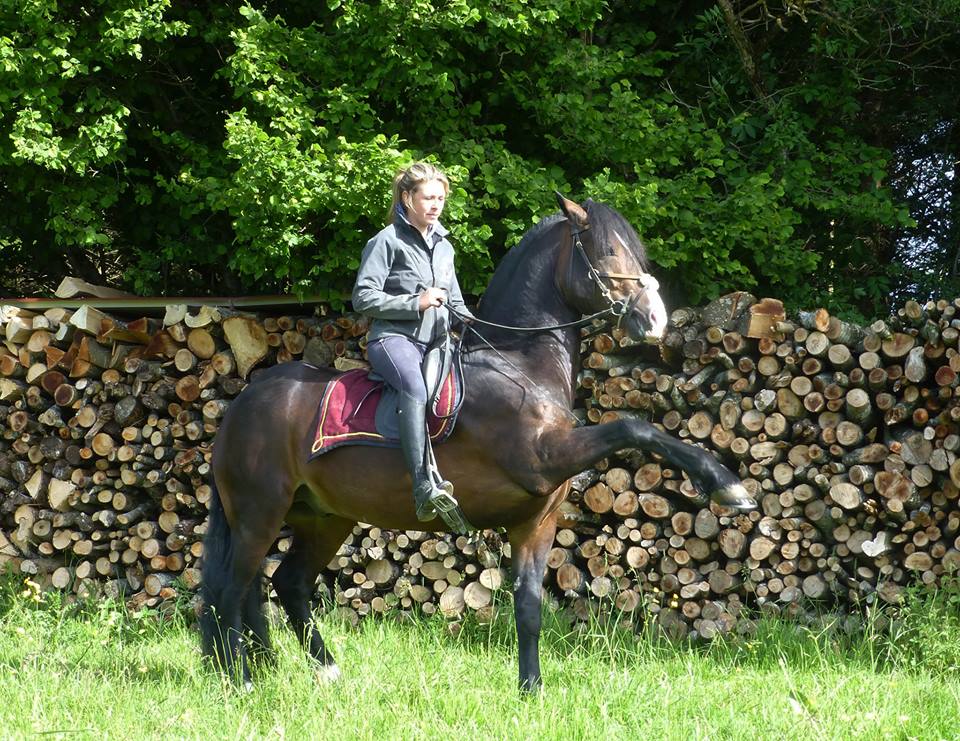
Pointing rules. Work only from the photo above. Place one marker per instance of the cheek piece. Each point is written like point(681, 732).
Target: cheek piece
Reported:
point(618, 307)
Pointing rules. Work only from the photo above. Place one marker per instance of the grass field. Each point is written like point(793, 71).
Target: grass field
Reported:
point(101, 673)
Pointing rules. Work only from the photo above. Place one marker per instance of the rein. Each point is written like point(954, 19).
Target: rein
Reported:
point(579, 323)
point(617, 308)
point(458, 365)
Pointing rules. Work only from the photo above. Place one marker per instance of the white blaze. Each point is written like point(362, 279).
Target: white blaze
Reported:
point(658, 314)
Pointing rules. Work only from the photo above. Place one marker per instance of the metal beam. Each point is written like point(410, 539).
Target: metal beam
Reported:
point(159, 303)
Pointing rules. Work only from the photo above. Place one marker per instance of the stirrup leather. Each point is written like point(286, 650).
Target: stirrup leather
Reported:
point(442, 499)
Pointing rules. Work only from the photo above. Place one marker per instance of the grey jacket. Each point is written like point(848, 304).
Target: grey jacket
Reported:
point(395, 267)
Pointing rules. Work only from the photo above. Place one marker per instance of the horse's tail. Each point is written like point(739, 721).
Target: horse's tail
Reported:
point(217, 553)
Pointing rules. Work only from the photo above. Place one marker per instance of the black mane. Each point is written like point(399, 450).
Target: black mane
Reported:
point(603, 222)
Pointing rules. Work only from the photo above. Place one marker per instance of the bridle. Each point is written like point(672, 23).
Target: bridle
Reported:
point(618, 308)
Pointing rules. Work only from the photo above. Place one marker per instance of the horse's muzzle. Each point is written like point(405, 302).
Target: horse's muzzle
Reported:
point(645, 323)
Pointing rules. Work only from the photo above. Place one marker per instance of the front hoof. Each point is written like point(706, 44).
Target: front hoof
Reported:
point(327, 674)
point(734, 496)
point(531, 688)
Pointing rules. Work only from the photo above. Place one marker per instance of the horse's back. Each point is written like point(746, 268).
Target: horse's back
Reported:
point(293, 386)
point(270, 420)
point(295, 371)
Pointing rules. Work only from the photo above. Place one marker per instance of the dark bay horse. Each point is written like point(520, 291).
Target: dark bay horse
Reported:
point(515, 445)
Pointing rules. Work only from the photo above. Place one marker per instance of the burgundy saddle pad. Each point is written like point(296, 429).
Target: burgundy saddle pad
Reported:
point(348, 413)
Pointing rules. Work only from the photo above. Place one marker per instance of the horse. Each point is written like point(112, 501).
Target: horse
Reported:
point(515, 446)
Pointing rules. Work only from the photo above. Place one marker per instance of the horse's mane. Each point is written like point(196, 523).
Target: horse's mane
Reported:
point(603, 222)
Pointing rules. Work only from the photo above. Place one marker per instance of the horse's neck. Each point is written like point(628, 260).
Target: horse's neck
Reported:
point(523, 293)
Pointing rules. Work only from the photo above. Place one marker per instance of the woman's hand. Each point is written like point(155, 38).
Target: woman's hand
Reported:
point(432, 297)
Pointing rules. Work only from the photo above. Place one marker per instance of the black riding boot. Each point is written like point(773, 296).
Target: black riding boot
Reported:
point(413, 440)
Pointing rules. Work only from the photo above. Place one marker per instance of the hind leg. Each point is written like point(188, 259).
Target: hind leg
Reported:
point(315, 542)
point(242, 590)
point(231, 583)
point(255, 628)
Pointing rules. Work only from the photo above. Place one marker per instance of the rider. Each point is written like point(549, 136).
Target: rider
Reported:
point(405, 281)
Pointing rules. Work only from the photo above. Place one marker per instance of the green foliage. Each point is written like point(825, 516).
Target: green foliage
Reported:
point(177, 148)
point(922, 632)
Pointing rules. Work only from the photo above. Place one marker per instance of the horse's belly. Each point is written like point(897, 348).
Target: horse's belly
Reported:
point(372, 485)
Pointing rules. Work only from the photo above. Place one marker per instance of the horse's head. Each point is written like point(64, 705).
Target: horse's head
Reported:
point(606, 268)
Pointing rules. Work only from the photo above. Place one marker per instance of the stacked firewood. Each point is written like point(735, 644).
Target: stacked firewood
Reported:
point(846, 435)
point(384, 571)
point(106, 429)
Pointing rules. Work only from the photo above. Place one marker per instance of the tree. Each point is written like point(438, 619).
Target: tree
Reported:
point(178, 148)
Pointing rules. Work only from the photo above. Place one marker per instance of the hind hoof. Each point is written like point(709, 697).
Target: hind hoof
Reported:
point(328, 674)
point(734, 496)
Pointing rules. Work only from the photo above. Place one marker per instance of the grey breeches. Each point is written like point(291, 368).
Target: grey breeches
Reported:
point(398, 360)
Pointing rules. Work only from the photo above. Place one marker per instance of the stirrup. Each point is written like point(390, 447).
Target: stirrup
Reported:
point(449, 509)
point(440, 500)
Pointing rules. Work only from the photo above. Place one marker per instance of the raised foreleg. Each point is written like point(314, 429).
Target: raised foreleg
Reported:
point(567, 452)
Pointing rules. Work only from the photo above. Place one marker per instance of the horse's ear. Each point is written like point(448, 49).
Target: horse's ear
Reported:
point(571, 210)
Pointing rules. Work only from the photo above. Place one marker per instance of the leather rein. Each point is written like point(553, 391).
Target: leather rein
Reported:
point(617, 308)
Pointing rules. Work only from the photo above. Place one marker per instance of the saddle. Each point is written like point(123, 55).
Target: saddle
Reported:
point(358, 408)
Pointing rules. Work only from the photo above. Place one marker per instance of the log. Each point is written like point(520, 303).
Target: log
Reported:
point(726, 311)
point(599, 498)
point(87, 319)
point(247, 340)
point(201, 343)
point(203, 317)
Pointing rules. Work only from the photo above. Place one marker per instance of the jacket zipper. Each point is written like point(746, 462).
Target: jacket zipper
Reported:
point(423, 241)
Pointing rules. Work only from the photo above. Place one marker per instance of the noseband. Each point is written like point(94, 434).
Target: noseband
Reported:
point(617, 307)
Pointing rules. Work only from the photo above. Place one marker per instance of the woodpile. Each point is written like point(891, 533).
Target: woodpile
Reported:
point(106, 429)
point(848, 437)
point(382, 571)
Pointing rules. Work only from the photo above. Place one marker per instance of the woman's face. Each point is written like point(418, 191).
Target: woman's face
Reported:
point(425, 204)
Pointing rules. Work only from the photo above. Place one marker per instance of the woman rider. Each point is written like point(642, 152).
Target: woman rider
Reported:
point(405, 282)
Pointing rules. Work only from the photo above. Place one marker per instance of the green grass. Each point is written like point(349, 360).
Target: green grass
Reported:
point(101, 673)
